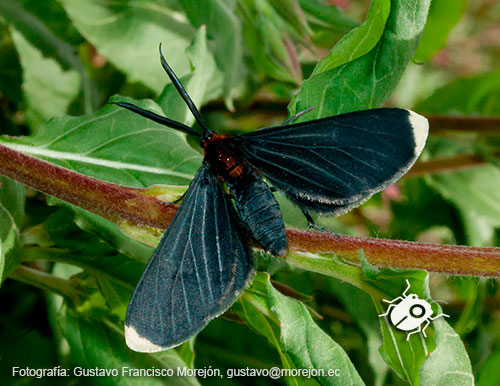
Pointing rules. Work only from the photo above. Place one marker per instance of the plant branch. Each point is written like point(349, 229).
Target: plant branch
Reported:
point(449, 259)
point(114, 202)
point(463, 161)
point(118, 203)
point(441, 124)
point(46, 281)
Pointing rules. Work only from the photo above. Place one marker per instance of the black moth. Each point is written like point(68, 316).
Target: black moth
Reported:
point(202, 263)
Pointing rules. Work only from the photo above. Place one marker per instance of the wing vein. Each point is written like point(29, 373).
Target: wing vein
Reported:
point(203, 243)
point(295, 173)
point(337, 148)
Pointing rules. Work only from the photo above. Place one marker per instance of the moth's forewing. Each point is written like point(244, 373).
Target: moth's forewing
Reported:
point(197, 271)
point(333, 164)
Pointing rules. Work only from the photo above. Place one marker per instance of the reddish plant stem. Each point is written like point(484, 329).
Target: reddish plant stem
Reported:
point(118, 203)
point(480, 125)
point(450, 259)
point(114, 202)
point(463, 161)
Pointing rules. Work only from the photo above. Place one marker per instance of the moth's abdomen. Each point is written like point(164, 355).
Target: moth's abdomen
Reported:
point(261, 213)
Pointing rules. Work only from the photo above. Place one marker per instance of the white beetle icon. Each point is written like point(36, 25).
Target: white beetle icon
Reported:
point(410, 313)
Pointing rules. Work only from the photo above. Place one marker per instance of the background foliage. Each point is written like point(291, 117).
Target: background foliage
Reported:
point(242, 62)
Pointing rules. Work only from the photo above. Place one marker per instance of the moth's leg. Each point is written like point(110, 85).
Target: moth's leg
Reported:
point(297, 115)
point(179, 199)
point(312, 224)
point(176, 201)
point(310, 220)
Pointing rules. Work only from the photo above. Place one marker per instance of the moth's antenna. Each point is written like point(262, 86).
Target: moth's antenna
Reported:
point(157, 118)
point(180, 88)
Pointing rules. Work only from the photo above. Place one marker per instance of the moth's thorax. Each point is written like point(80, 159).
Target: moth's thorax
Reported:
point(221, 154)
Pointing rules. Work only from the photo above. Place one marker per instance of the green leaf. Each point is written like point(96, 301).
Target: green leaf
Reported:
point(112, 275)
point(204, 84)
point(360, 306)
point(360, 40)
point(308, 345)
point(266, 35)
point(115, 274)
point(328, 13)
point(114, 235)
point(475, 192)
point(128, 34)
point(225, 29)
point(52, 14)
point(449, 363)
point(272, 34)
point(480, 232)
point(12, 197)
point(473, 291)
point(288, 326)
point(252, 307)
point(10, 69)
point(87, 249)
point(40, 36)
point(294, 17)
point(370, 270)
point(488, 372)
point(475, 95)
point(330, 265)
point(99, 343)
point(186, 352)
point(327, 21)
point(83, 249)
point(408, 224)
point(405, 357)
point(443, 16)
point(116, 295)
point(48, 89)
point(34, 349)
point(114, 145)
point(37, 33)
point(366, 82)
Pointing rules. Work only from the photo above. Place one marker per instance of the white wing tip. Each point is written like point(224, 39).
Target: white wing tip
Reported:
point(140, 343)
point(420, 126)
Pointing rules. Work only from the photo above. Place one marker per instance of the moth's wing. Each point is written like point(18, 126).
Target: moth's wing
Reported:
point(332, 164)
point(197, 271)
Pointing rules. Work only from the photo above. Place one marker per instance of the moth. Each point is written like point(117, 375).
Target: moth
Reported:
point(202, 262)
